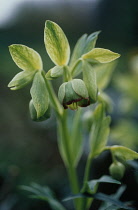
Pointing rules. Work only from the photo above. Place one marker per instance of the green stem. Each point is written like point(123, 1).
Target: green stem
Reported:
point(65, 139)
point(87, 169)
point(86, 202)
point(53, 98)
point(67, 74)
point(71, 170)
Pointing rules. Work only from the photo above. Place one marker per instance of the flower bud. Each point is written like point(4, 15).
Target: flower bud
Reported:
point(33, 113)
point(117, 170)
point(73, 94)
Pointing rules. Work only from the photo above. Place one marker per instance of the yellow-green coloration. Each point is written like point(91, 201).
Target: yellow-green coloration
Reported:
point(54, 73)
point(117, 170)
point(124, 152)
point(21, 80)
point(56, 44)
point(25, 58)
point(101, 55)
point(39, 94)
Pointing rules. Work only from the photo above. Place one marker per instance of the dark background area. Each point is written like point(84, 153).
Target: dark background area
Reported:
point(28, 150)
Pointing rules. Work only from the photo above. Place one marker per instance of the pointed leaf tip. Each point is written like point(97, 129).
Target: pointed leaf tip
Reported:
point(101, 55)
point(25, 58)
point(56, 43)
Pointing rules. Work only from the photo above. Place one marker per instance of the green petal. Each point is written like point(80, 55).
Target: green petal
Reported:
point(80, 88)
point(61, 92)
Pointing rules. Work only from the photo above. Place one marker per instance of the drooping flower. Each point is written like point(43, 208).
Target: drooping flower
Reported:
point(73, 94)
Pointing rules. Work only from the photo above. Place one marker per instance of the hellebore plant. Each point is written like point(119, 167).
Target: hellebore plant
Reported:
point(94, 67)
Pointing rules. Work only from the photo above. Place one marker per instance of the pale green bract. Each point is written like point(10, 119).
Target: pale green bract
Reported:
point(21, 80)
point(101, 55)
point(54, 73)
point(25, 58)
point(124, 152)
point(56, 44)
point(39, 94)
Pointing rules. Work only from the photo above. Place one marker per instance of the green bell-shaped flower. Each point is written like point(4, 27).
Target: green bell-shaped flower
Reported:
point(73, 94)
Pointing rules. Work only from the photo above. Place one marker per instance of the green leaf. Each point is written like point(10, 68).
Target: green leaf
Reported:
point(89, 77)
point(43, 193)
point(102, 197)
point(107, 198)
point(78, 49)
point(91, 41)
point(99, 131)
point(80, 88)
point(39, 94)
point(84, 45)
point(56, 44)
point(124, 152)
point(117, 195)
point(54, 73)
point(25, 58)
point(21, 79)
point(101, 55)
point(104, 179)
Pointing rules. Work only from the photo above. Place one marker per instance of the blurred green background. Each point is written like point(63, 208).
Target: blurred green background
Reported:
point(28, 150)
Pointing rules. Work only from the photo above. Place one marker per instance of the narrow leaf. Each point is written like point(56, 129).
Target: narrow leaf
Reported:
point(103, 179)
point(39, 95)
point(124, 152)
point(107, 198)
point(56, 44)
point(25, 58)
point(100, 196)
point(91, 41)
point(101, 55)
point(21, 79)
point(78, 49)
point(84, 45)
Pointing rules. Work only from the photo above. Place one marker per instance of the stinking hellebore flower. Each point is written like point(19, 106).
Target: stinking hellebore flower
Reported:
point(73, 94)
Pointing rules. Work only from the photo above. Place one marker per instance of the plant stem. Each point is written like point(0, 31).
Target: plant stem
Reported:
point(71, 170)
point(53, 98)
point(85, 202)
point(67, 74)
